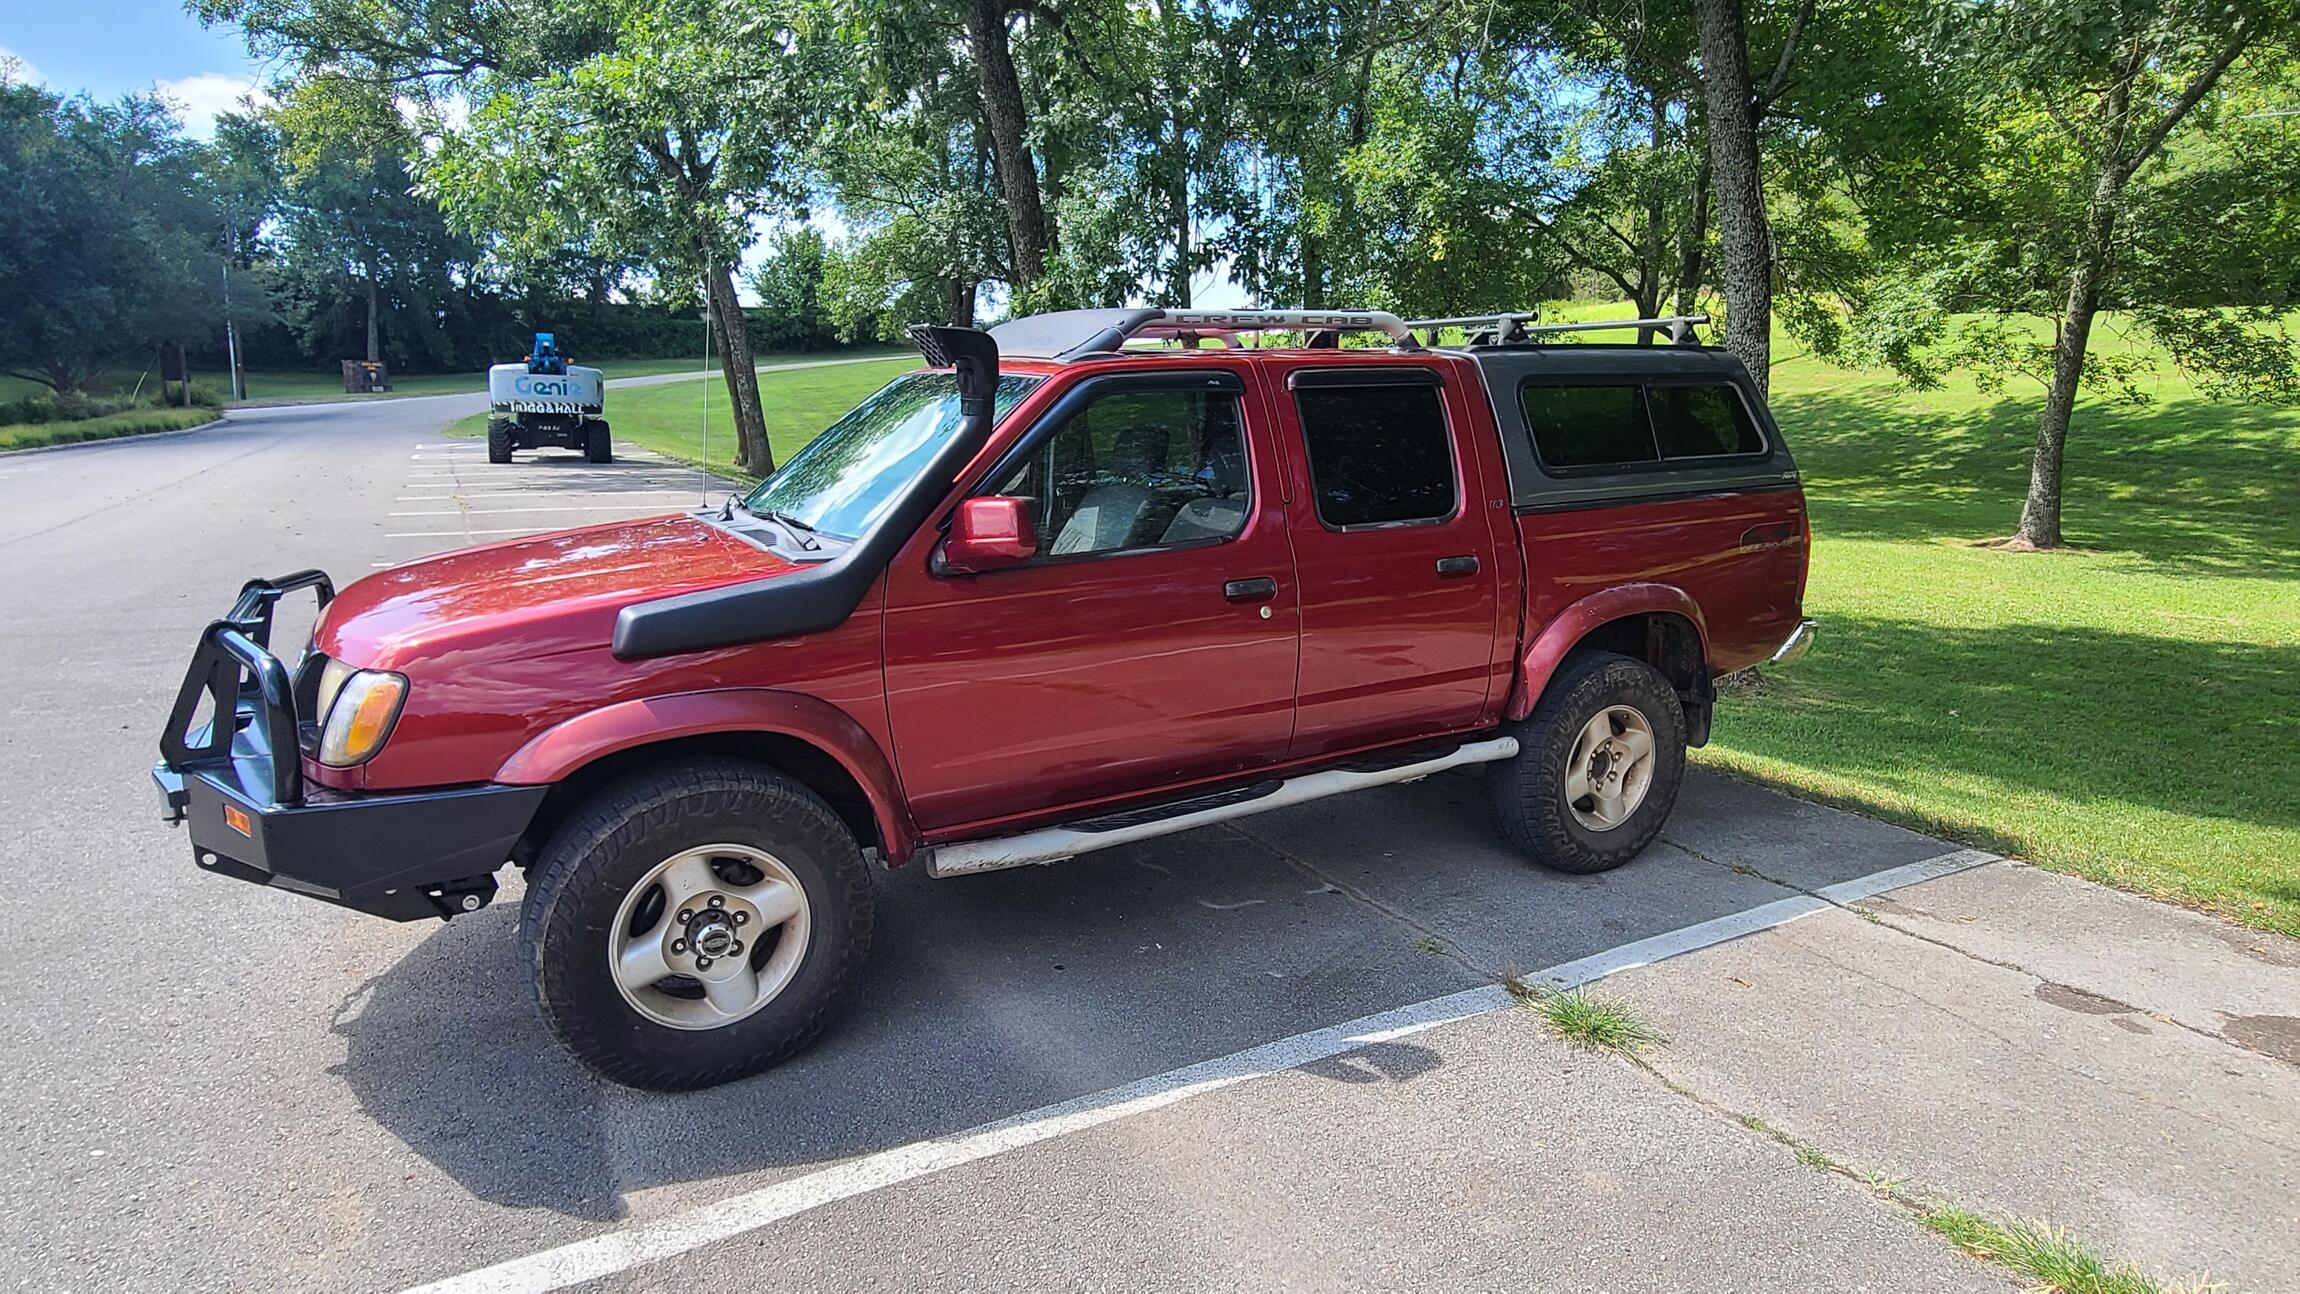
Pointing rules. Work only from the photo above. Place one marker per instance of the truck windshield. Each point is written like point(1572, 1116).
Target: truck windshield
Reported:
point(844, 478)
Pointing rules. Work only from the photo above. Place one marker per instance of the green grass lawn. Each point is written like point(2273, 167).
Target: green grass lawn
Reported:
point(2128, 711)
point(798, 402)
point(267, 386)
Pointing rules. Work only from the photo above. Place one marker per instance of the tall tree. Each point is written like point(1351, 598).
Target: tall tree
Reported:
point(108, 244)
point(655, 131)
point(2062, 176)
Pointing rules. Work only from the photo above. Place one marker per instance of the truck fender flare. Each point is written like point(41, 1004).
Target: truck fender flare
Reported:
point(1568, 627)
point(558, 752)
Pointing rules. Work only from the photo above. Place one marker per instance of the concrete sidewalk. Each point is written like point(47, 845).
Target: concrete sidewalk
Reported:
point(2028, 1046)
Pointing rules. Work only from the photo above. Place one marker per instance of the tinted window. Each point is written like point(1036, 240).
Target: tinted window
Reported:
point(1589, 426)
point(1703, 422)
point(1378, 454)
point(1136, 470)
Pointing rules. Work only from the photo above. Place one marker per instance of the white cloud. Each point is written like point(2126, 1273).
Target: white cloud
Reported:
point(203, 96)
point(23, 73)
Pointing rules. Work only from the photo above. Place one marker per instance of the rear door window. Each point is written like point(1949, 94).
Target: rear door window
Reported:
point(1706, 421)
point(1379, 455)
point(1590, 426)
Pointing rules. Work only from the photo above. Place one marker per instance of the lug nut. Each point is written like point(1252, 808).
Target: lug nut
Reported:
point(741, 916)
point(702, 963)
point(678, 945)
point(737, 950)
point(686, 915)
point(718, 900)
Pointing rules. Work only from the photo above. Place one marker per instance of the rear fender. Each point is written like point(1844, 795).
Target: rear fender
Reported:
point(1574, 623)
point(561, 751)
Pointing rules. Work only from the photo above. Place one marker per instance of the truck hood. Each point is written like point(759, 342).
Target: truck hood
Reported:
point(540, 595)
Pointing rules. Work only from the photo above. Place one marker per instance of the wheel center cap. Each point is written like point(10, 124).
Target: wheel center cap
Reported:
point(712, 935)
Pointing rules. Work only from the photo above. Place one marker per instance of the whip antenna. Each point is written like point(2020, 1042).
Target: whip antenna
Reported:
point(703, 459)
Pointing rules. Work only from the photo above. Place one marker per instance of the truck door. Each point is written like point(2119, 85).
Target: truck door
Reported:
point(1151, 641)
point(1394, 551)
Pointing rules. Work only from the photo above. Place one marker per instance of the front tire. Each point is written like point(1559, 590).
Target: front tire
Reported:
point(498, 440)
point(598, 446)
point(1598, 766)
point(695, 924)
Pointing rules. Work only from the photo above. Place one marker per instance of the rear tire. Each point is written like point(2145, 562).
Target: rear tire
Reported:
point(1598, 766)
point(498, 440)
point(598, 446)
point(610, 958)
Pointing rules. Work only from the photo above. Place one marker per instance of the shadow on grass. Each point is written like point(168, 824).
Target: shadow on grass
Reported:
point(2183, 485)
point(2085, 717)
point(2190, 727)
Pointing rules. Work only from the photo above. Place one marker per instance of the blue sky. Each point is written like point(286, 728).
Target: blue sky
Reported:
point(112, 47)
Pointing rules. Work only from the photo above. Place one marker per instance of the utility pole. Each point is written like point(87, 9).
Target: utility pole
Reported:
point(239, 378)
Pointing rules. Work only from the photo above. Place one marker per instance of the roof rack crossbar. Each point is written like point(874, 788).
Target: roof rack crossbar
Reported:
point(1516, 327)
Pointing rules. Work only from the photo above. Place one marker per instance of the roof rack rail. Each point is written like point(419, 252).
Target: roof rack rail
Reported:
point(1074, 334)
point(1309, 321)
point(1503, 329)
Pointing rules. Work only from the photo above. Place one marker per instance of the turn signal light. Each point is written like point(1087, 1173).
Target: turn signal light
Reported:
point(365, 708)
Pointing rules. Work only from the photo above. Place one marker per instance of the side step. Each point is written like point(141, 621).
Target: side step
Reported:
point(1054, 844)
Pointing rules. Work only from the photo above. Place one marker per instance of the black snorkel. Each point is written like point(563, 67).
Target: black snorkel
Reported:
point(822, 597)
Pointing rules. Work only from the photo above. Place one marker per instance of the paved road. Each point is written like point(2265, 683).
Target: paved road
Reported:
point(209, 1085)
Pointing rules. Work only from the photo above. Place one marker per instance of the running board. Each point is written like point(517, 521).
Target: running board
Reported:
point(1054, 844)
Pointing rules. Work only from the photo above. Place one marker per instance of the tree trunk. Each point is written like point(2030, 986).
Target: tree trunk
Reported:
point(1745, 237)
point(1003, 111)
point(1693, 243)
point(1178, 283)
point(2040, 514)
point(1651, 246)
point(752, 452)
point(374, 335)
point(961, 308)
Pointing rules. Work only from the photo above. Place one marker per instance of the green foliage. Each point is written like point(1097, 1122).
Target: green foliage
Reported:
point(128, 422)
point(109, 240)
point(1594, 1023)
point(791, 315)
point(1974, 195)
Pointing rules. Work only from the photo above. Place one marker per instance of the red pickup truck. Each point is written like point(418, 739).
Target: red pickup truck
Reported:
point(1090, 577)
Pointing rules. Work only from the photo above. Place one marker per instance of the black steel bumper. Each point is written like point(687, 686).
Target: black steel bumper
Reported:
point(237, 782)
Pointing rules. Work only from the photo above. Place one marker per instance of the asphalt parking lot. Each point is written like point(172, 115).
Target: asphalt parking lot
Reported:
point(1270, 1053)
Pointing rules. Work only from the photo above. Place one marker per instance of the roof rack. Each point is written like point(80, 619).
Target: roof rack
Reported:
point(1505, 329)
point(1071, 334)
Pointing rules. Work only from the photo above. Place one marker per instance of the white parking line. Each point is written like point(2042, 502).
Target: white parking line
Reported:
point(480, 512)
point(541, 492)
point(465, 534)
point(683, 1232)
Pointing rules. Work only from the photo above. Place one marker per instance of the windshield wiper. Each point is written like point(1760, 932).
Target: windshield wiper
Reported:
point(801, 533)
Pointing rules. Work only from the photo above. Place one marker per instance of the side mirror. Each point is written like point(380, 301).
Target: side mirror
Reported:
point(988, 534)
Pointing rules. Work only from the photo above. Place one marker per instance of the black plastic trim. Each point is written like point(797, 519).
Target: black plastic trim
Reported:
point(1368, 375)
point(822, 597)
point(1710, 488)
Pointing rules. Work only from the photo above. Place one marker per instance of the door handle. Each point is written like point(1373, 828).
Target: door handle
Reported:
point(1261, 588)
point(1455, 567)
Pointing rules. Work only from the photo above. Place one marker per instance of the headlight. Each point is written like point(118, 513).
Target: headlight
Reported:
point(360, 708)
point(332, 677)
